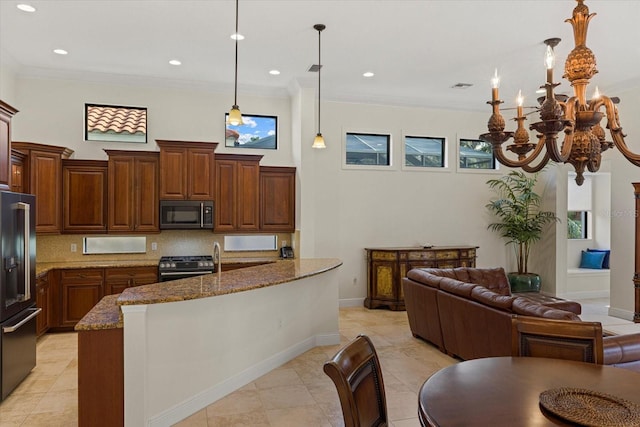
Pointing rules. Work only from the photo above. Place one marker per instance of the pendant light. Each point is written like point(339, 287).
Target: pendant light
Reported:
point(318, 141)
point(235, 116)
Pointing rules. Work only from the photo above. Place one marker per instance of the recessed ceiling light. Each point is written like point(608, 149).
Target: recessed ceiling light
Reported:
point(368, 74)
point(175, 62)
point(26, 8)
point(60, 51)
point(237, 36)
point(274, 72)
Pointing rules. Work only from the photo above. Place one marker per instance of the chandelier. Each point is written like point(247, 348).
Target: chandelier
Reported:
point(577, 117)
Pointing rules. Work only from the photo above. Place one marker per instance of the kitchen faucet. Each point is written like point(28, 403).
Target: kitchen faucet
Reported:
point(217, 259)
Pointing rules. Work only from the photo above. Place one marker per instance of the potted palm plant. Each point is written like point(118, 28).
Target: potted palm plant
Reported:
point(521, 222)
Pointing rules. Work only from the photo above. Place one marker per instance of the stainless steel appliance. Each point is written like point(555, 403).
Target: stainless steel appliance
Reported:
point(17, 289)
point(181, 267)
point(186, 214)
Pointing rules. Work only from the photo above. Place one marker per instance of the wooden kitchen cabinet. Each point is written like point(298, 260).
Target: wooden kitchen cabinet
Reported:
point(43, 301)
point(118, 279)
point(6, 113)
point(237, 193)
point(80, 289)
point(277, 199)
point(84, 193)
point(43, 179)
point(187, 170)
point(18, 171)
point(133, 192)
point(387, 266)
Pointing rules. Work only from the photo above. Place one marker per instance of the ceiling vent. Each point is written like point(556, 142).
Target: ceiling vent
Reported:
point(314, 68)
point(461, 85)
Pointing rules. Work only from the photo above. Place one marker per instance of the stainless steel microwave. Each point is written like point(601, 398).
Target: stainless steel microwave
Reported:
point(186, 214)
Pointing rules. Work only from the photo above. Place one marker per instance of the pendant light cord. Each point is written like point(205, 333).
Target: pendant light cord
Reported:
point(235, 88)
point(319, 28)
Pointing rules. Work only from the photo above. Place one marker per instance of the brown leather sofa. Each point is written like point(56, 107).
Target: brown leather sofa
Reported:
point(467, 313)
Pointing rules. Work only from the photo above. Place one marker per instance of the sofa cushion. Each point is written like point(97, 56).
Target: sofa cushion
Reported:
point(457, 287)
point(492, 299)
point(527, 307)
point(422, 275)
point(494, 279)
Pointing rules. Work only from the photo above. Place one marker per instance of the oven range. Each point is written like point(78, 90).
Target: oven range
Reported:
point(181, 267)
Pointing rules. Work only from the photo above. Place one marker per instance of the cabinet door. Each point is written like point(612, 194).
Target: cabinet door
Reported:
point(173, 177)
point(118, 279)
point(146, 204)
point(277, 199)
point(80, 290)
point(17, 174)
point(43, 301)
point(226, 207)
point(6, 112)
point(46, 171)
point(200, 169)
point(121, 194)
point(383, 280)
point(247, 196)
point(84, 188)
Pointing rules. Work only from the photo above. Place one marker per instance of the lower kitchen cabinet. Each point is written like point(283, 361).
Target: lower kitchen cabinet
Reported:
point(80, 290)
point(101, 378)
point(43, 301)
point(387, 266)
point(120, 278)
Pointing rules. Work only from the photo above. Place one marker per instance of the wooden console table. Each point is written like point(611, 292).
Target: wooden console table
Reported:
point(387, 266)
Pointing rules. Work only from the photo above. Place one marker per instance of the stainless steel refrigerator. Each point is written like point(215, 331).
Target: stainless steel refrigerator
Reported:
point(17, 289)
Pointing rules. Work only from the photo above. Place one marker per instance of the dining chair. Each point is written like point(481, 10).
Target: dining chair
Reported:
point(558, 339)
point(355, 371)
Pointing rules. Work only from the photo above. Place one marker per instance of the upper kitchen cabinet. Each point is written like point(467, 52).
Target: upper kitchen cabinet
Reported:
point(18, 171)
point(187, 170)
point(43, 178)
point(6, 113)
point(237, 193)
point(84, 192)
point(277, 199)
point(133, 192)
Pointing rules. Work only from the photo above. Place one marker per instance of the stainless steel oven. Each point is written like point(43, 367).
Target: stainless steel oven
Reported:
point(182, 267)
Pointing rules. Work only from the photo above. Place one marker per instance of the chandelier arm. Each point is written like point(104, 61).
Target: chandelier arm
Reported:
point(499, 153)
point(618, 140)
point(539, 167)
point(613, 123)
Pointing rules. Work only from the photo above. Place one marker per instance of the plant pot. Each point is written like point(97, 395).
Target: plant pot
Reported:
point(525, 282)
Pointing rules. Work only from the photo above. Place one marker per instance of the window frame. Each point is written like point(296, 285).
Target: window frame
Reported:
point(131, 140)
point(390, 147)
point(445, 151)
point(496, 165)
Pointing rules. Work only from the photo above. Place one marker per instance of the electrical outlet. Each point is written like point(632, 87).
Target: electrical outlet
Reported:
point(154, 246)
point(74, 247)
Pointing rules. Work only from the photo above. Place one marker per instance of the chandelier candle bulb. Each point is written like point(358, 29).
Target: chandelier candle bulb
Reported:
point(495, 83)
point(520, 101)
point(549, 61)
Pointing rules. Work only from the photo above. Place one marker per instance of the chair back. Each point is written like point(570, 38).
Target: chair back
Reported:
point(355, 371)
point(557, 339)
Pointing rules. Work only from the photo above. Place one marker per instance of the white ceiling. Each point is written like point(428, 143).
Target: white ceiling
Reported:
point(417, 49)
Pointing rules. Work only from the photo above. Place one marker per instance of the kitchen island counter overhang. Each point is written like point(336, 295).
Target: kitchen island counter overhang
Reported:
point(190, 342)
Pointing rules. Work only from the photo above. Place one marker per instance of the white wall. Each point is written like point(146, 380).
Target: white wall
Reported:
point(623, 174)
point(52, 112)
point(7, 83)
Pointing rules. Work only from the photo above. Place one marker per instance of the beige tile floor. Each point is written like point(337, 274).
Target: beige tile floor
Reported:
point(296, 394)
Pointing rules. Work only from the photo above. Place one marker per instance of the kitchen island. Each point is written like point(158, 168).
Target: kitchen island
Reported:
point(189, 342)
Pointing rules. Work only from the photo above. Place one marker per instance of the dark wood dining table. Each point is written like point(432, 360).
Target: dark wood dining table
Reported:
point(505, 391)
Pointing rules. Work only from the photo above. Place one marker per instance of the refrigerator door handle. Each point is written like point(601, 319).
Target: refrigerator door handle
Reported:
point(27, 250)
point(13, 328)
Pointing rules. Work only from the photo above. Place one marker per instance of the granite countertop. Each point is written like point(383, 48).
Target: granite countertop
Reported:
point(107, 315)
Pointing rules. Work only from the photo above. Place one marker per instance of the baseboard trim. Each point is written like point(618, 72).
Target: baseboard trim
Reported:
point(351, 302)
point(220, 390)
point(585, 295)
point(621, 314)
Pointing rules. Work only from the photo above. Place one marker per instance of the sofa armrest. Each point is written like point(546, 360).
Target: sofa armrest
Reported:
point(621, 349)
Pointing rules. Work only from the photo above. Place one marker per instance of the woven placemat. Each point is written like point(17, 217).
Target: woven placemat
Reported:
point(590, 408)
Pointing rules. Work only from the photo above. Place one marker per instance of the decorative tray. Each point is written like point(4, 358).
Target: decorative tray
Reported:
point(590, 408)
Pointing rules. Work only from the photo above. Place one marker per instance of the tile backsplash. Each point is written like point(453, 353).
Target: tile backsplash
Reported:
point(58, 248)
